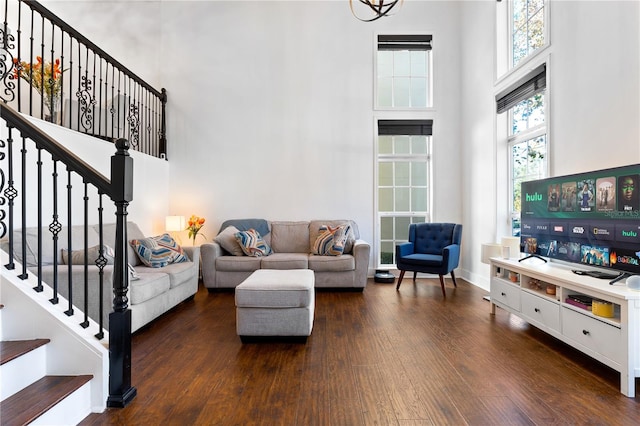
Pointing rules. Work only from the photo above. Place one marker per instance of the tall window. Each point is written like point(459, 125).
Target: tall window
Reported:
point(527, 28)
point(404, 71)
point(527, 135)
point(522, 30)
point(404, 148)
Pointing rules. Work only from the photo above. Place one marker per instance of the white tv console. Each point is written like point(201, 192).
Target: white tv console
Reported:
point(520, 288)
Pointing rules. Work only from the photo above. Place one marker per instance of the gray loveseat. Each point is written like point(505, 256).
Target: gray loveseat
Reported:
point(156, 291)
point(291, 244)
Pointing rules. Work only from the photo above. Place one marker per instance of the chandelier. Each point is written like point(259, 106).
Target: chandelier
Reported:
point(376, 9)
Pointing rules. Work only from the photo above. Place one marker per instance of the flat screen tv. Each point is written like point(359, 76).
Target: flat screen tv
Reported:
point(591, 219)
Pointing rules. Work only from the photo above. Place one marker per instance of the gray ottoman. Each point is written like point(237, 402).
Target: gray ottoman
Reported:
point(275, 304)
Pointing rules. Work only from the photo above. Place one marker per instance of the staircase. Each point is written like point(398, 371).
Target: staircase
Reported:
point(49, 373)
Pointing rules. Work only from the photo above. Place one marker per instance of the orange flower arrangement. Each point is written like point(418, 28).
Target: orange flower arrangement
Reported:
point(193, 226)
point(45, 77)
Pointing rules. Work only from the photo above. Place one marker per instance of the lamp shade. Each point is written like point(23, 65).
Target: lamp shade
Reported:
point(174, 223)
point(514, 246)
point(490, 250)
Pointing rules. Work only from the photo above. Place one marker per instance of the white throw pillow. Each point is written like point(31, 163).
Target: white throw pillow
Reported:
point(227, 240)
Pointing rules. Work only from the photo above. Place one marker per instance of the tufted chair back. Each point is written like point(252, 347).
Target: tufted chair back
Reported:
point(431, 238)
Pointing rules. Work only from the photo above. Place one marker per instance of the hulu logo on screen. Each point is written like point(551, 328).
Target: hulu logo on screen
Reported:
point(533, 197)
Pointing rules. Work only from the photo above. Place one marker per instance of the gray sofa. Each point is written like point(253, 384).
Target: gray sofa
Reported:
point(156, 291)
point(291, 244)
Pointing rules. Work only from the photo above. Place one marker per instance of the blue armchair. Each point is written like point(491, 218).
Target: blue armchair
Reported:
point(433, 248)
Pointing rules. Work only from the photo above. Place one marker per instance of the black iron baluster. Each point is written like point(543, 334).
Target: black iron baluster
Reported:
point(80, 106)
point(55, 227)
point(134, 121)
point(100, 263)
point(51, 79)
point(100, 101)
point(3, 200)
point(112, 110)
point(11, 194)
point(42, 92)
point(69, 311)
point(23, 200)
point(62, 108)
point(119, 108)
point(85, 323)
point(31, 51)
point(71, 94)
point(39, 287)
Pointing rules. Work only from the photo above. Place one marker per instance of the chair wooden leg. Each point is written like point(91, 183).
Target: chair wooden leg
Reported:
point(444, 294)
point(415, 274)
point(400, 279)
point(453, 277)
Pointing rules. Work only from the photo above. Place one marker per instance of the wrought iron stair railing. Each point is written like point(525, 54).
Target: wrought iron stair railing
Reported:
point(39, 177)
point(51, 71)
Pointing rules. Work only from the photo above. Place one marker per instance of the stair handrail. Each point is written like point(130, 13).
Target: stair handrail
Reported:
point(82, 86)
point(120, 190)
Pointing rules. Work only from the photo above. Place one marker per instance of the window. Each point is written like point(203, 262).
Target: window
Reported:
point(527, 28)
point(527, 135)
point(404, 71)
point(522, 30)
point(403, 181)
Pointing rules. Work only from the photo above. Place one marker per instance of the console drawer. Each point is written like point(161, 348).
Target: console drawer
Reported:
point(596, 335)
point(541, 311)
point(505, 294)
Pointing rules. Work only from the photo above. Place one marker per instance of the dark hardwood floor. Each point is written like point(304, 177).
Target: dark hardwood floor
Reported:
point(378, 357)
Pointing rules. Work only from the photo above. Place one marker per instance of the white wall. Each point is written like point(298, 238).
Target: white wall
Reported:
point(479, 158)
point(271, 109)
point(270, 102)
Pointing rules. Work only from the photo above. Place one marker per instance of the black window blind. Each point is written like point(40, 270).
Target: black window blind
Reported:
point(404, 42)
point(534, 82)
point(405, 127)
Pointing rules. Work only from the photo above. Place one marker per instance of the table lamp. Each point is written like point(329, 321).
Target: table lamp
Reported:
point(490, 250)
point(175, 224)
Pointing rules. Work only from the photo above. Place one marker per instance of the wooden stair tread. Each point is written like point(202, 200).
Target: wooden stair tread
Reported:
point(31, 402)
point(12, 349)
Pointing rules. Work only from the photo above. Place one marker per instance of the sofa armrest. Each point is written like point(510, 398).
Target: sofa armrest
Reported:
point(209, 252)
point(193, 252)
point(361, 252)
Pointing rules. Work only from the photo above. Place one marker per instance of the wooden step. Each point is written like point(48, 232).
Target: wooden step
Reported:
point(30, 403)
point(12, 349)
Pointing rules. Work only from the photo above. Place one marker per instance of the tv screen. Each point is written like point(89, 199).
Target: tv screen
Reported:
point(592, 218)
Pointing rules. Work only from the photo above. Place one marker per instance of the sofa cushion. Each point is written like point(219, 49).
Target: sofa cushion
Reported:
point(179, 272)
point(159, 251)
point(77, 256)
point(252, 243)
point(290, 237)
point(227, 240)
point(238, 263)
point(314, 231)
point(285, 261)
point(345, 262)
point(150, 285)
point(331, 240)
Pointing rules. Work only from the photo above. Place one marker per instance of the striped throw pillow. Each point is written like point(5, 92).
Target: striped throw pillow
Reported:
point(159, 251)
point(331, 241)
point(252, 244)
